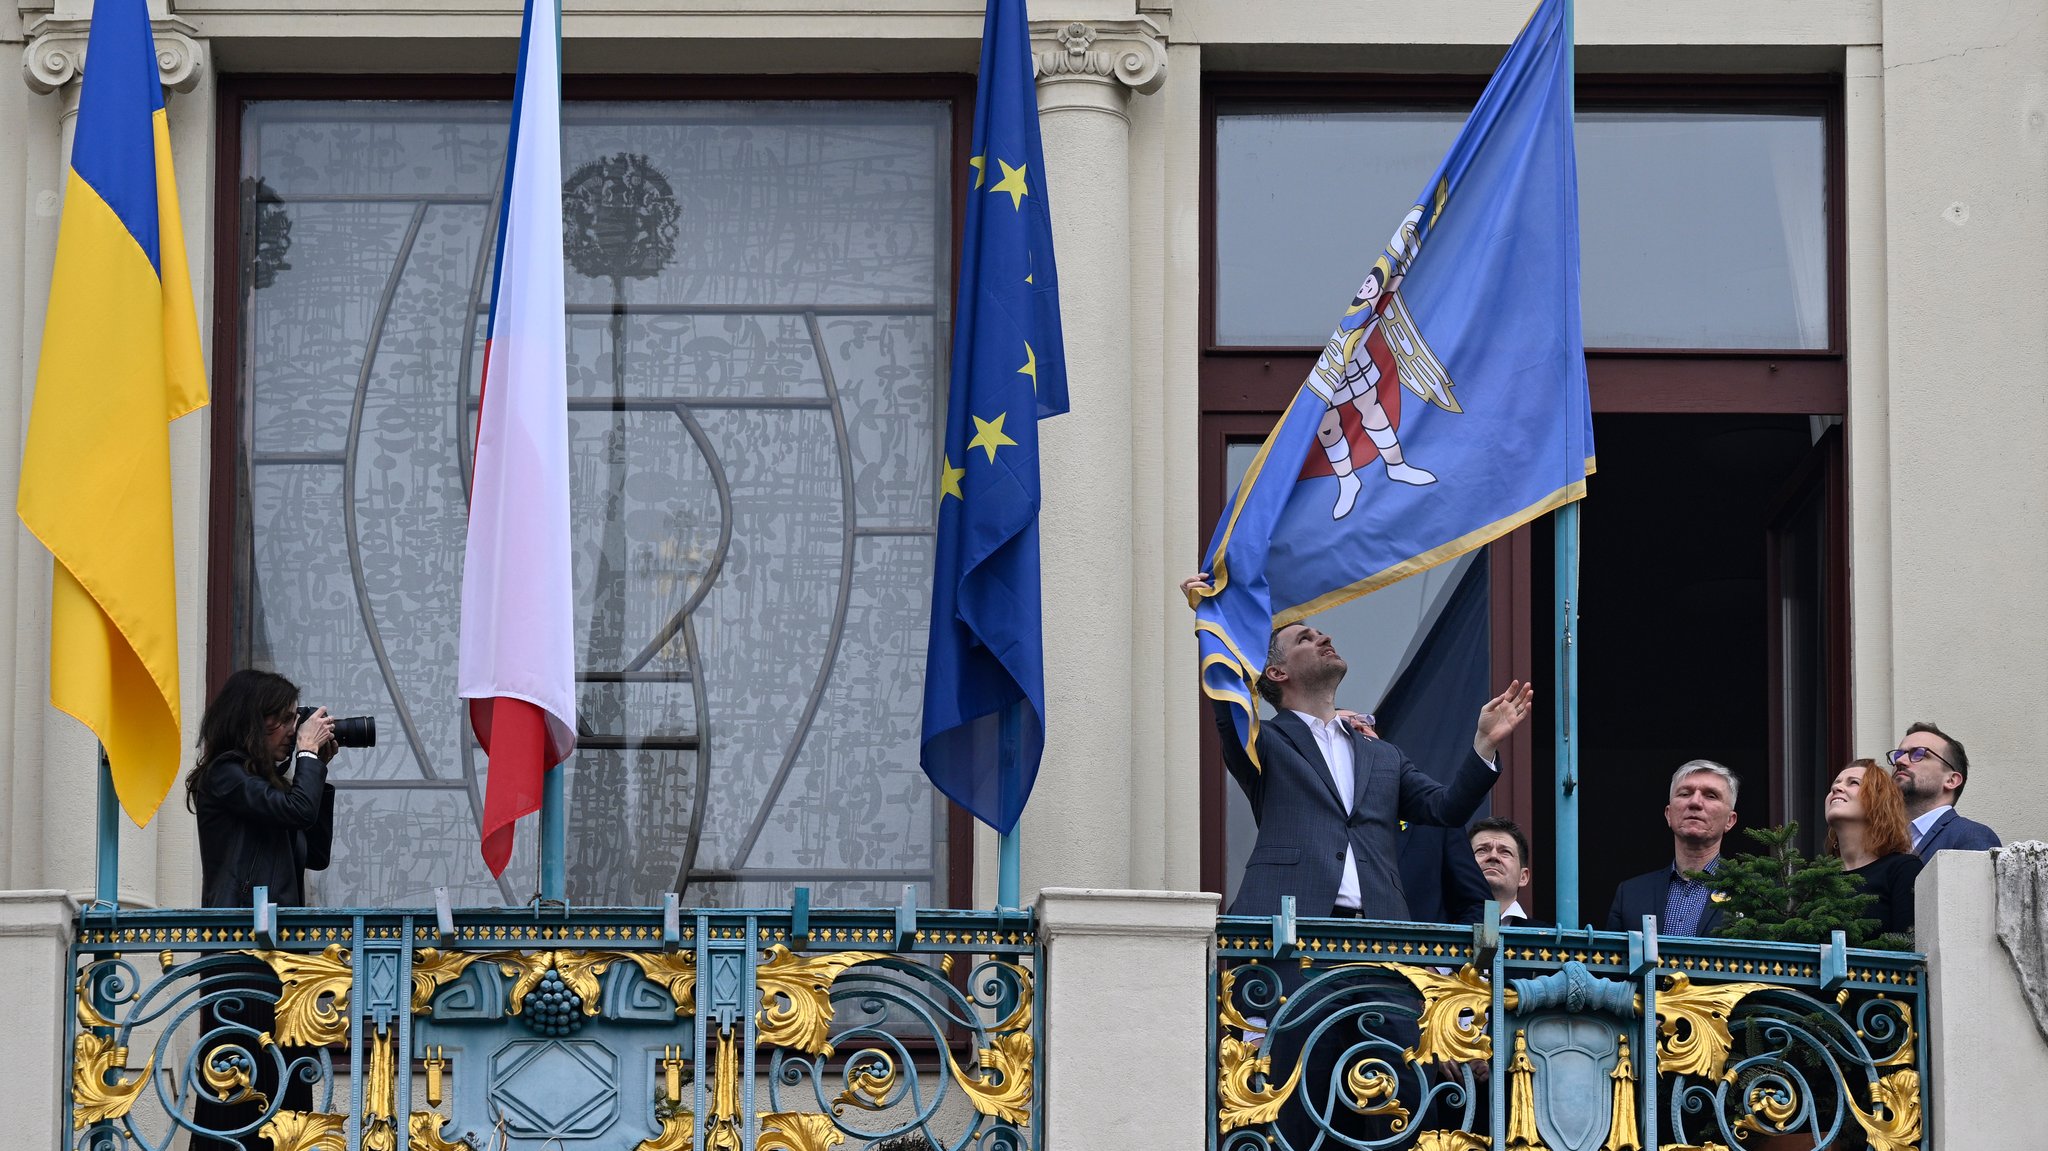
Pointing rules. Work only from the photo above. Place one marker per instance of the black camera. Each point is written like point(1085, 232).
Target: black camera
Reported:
point(352, 731)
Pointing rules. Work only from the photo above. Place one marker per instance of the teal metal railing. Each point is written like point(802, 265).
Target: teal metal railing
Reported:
point(786, 1029)
point(1347, 1034)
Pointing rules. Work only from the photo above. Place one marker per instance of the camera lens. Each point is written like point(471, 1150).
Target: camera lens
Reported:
point(356, 731)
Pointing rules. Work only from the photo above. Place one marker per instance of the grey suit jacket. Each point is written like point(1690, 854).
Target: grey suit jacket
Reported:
point(1304, 828)
point(1952, 832)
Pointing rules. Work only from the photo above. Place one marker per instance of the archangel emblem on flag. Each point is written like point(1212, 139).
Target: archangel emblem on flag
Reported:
point(1376, 351)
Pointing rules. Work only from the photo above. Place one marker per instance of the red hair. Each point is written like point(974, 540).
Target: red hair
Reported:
point(1885, 829)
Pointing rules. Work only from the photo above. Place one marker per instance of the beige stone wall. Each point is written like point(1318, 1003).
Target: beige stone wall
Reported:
point(1947, 200)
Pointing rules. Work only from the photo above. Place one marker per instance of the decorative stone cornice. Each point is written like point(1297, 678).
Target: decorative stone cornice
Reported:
point(1131, 53)
point(56, 53)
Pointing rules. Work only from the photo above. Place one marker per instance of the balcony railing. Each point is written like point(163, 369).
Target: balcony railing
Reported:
point(1337, 1033)
point(628, 1030)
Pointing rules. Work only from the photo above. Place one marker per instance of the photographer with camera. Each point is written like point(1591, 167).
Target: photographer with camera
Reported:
point(260, 790)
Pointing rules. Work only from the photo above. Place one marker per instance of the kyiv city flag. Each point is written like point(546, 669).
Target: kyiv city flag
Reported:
point(516, 663)
point(984, 691)
point(120, 360)
point(1449, 406)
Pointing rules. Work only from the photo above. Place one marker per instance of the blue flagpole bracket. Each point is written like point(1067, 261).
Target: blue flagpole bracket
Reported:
point(1642, 948)
point(444, 919)
point(906, 918)
point(1486, 937)
point(672, 921)
point(1285, 935)
point(263, 918)
point(800, 918)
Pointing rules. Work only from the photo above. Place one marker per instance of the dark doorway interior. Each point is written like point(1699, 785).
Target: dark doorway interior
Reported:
point(1675, 608)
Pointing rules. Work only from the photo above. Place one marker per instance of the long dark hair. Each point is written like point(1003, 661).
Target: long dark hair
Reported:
point(237, 723)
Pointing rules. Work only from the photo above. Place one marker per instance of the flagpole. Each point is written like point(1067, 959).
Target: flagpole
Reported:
point(554, 835)
point(107, 888)
point(1009, 854)
point(1565, 615)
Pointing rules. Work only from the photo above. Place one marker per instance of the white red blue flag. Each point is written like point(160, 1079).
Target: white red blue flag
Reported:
point(518, 655)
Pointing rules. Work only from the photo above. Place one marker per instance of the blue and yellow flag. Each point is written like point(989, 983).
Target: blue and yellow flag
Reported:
point(120, 360)
point(984, 693)
point(1449, 406)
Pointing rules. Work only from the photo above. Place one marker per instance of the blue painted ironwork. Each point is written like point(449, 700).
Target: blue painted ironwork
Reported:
point(621, 1029)
point(1566, 677)
point(554, 834)
point(107, 884)
point(1372, 1035)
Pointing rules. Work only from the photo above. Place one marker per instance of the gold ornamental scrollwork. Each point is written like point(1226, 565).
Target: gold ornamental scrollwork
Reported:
point(433, 969)
point(1454, 1011)
point(1451, 1141)
point(93, 1098)
point(312, 1007)
point(1002, 1086)
point(1227, 1013)
point(578, 969)
point(675, 970)
point(797, 1131)
point(1903, 1055)
point(1240, 1103)
point(423, 1131)
point(796, 997)
point(868, 1083)
point(231, 1081)
point(1372, 1093)
point(1893, 1121)
point(307, 1131)
point(1692, 1025)
point(88, 1014)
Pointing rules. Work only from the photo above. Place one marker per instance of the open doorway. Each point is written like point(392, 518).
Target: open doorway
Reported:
point(1708, 609)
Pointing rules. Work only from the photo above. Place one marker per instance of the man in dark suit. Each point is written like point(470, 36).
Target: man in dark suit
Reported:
point(1501, 849)
point(1931, 770)
point(1700, 812)
point(1329, 801)
point(1441, 880)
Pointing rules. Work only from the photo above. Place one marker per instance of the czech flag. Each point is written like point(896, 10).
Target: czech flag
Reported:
point(517, 665)
point(120, 360)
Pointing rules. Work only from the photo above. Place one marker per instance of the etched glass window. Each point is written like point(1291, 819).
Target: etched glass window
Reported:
point(758, 297)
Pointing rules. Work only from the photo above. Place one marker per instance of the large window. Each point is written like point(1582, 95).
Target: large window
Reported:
point(758, 299)
point(1713, 533)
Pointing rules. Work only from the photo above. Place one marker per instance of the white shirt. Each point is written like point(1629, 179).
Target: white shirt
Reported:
point(1925, 824)
point(1513, 908)
point(1334, 740)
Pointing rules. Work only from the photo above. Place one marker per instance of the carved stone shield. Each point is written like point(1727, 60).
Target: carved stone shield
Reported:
point(1573, 1057)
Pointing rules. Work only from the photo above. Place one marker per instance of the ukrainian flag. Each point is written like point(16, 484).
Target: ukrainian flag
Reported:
point(120, 361)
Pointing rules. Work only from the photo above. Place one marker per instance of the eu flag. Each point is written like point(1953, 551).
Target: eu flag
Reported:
point(1449, 406)
point(984, 693)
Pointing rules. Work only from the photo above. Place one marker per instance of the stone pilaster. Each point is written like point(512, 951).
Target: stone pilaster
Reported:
point(1078, 824)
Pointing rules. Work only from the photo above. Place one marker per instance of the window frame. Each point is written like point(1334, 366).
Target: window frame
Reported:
point(1243, 389)
point(229, 536)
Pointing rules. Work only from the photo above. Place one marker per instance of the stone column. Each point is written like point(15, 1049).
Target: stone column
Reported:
point(1077, 829)
point(1126, 1000)
point(52, 757)
point(35, 935)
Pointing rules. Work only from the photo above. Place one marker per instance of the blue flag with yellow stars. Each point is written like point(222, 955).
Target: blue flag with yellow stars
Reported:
point(1449, 405)
point(984, 692)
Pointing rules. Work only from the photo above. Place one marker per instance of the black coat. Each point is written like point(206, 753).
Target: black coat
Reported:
point(1304, 830)
point(1645, 895)
point(254, 834)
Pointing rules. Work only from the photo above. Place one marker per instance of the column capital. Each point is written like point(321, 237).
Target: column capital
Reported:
point(56, 53)
point(1126, 53)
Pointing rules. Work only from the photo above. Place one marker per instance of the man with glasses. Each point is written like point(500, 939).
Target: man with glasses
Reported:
point(1931, 768)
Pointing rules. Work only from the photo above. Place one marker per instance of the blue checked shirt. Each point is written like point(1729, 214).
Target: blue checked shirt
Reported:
point(1686, 902)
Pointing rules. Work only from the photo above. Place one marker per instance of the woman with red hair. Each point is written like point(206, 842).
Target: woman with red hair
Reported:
point(1867, 828)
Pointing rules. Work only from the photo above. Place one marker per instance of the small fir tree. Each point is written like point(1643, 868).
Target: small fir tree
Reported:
point(1779, 894)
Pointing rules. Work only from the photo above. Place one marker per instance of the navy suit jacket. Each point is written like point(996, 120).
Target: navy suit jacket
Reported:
point(1442, 881)
point(1304, 828)
point(1645, 895)
point(1952, 832)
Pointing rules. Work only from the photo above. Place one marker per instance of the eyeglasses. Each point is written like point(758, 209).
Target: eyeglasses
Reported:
point(1905, 755)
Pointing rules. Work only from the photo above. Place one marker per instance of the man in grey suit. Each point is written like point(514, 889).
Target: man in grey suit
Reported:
point(1329, 802)
point(1931, 770)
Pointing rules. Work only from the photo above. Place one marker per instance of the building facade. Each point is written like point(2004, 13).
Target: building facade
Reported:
point(1816, 253)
